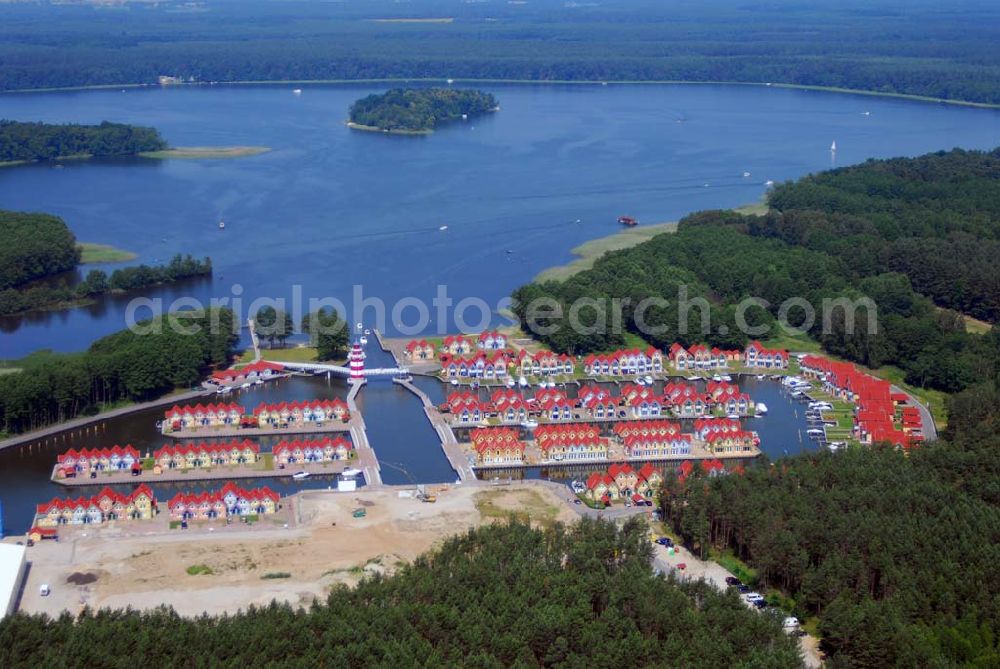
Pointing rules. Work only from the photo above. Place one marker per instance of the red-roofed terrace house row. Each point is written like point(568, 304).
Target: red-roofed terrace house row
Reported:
point(700, 357)
point(312, 450)
point(301, 413)
point(497, 446)
point(262, 370)
point(875, 416)
point(201, 415)
point(105, 506)
point(230, 500)
point(90, 460)
point(571, 441)
point(759, 357)
point(205, 455)
point(621, 481)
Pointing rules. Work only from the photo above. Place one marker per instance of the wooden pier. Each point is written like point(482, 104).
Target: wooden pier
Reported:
point(367, 461)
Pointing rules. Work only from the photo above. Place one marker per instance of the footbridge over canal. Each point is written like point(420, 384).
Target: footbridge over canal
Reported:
point(355, 370)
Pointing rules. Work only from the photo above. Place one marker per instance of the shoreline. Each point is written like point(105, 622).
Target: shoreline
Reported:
point(371, 128)
point(536, 82)
point(196, 152)
point(541, 82)
point(592, 250)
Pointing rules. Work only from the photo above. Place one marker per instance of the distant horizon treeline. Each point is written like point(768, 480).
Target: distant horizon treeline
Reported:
point(500, 595)
point(419, 109)
point(946, 201)
point(125, 366)
point(20, 141)
point(920, 48)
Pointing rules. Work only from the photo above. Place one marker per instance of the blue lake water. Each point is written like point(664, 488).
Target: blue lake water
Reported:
point(331, 208)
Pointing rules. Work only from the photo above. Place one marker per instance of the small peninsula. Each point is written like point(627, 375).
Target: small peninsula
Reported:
point(22, 143)
point(417, 111)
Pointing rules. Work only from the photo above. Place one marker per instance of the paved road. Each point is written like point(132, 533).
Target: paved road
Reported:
point(695, 568)
point(77, 423)
point(926, 419)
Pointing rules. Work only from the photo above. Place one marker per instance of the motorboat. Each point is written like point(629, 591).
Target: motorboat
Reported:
point(350, 473)
point(816, 432)
point(299, 476)
point(693, 377)
point(522, 381)
point(510, 383)
point(296, 91)
point(222, 225)
point(717, 378)
point(761, 408)
point(648, 379)
point(529, 424)
point(454, 382)
point(726, 377)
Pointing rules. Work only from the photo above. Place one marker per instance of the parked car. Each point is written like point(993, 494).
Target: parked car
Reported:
point(682, 566)
point(743, 589)
point(577, 501)
point(44, 590)
point(753, 597)
point(759, 603)
point(665, 541)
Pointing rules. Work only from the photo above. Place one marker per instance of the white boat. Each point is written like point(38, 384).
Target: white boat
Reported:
point(746, 174)
point(451, 81)
point(258, 382)
point(760, 377)
point(717, 378)
point(833, 145)
point(367, 332)
point(223, 390)
point(867, 113)
point(693, 377)
point(761, 408)
point(726, 377)
point(454, 382)
point(296, 91)
point(350, 473)
point(245, 385)
point(733, 416)
point(768, 183)
point(364, 340)
point(815, 432)
point(298, 476)
point(640, 382)
point(511, 382)
point(523, 382)
point(529, 424)
point(222, 225)
point(443, 228)
point(648, 379)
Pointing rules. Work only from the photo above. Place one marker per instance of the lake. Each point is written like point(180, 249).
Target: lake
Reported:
point(329, 208)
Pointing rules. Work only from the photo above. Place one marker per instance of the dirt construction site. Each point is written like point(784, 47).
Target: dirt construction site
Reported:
point(328, 538)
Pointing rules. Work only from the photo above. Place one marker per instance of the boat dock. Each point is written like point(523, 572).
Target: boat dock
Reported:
point(212, 432)
point(367, 461)
point(449, 444)
point(217, 473)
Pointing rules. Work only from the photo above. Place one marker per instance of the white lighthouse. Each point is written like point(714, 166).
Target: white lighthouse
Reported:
point(356, 359)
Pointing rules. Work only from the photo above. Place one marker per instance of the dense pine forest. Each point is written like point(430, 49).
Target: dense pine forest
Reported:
point(23, 142)
point(843, 234)
point(896, 553)
point(918, 47)
point(49, 388)
point(33, 246)
point(497, 596)
point(419, 109)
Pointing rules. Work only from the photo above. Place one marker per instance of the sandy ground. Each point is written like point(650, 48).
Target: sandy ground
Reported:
point(325, 547)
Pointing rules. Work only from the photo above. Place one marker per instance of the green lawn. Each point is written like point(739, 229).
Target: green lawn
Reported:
point(293, 354)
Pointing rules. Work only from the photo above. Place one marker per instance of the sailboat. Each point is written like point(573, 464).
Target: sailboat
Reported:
point(833, 146)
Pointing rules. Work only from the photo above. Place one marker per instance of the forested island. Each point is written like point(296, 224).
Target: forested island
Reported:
point(36, 246)
point(418, 110)
point(870, 230)
point(503, 595)
point(922, 47)
point(27, 142)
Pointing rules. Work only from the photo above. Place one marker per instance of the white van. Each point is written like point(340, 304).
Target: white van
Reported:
point(44, 590)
